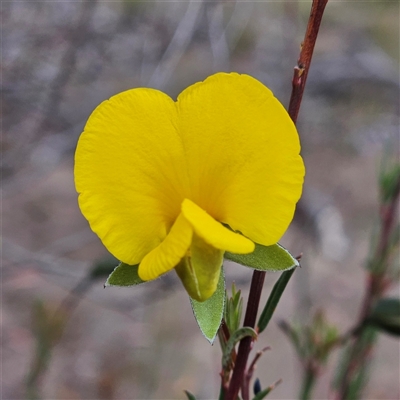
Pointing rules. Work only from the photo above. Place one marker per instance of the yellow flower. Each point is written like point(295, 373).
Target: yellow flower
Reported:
point(161, 181)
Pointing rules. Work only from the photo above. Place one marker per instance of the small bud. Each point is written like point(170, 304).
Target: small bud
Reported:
point(257, 386)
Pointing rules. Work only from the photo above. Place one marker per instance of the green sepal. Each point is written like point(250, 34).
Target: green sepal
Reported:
point(209, 313)
point(265, 258)
point(273, 299)
point(386, 316)
point(231, 343)
point(124, 275)
point(189, 395)
point(199, 270)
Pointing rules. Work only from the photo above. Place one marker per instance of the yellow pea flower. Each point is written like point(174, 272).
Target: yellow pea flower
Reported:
point(159, 181)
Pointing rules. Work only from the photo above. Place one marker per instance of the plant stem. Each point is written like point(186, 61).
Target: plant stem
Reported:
point(308, 384)
point(249, 373)
point(303, 64)
point(245, 345)
point(298, 85)
point(377, 283)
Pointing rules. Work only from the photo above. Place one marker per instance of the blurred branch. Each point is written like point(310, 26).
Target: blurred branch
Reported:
point(378, 282)
point(37, 121)
point(49, 326)
point(217, 35)
point(176, 48)
point(313, 344)
point(78, 37)
point(48, 263)
point(238, 22)
point(223, 39)
point(69, 243)
point(61, 266)
point(47, 331)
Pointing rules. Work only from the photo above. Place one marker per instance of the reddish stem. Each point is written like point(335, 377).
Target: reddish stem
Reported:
point(245, 345)
point(249, 373)
point(377, 284)
point(303, 64)
point(298, 85)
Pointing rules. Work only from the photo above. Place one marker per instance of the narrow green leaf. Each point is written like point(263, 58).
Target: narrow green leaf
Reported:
point(294, 336)
point(265, 258)
point(389, 182)
point(209, 313)
point(233, 310)
point(388, 306)
point(264, 393)
point(221, 393)
point(273, 299)
point(124, 275)
point(236, 337)
point(189, 395)
point(386, 316)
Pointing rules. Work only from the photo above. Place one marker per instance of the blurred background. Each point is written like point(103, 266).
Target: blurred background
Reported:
point(59, 61)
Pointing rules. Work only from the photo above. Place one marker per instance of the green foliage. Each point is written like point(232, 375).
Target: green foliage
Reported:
point(124, 275)
point(262, 394)
point(314, 341)
point(273, 299)
point(389, 181)
point(359, 376)
point(47, 330)
point(189, 395)
point(386, 316)
point(265, 258)
point(233, 310)
point(313, 344)
point(209, 313)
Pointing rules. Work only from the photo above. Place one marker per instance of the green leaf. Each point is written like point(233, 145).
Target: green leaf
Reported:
point(209, 313)
point(273, 299)
point(386, 316)
point(189, 395)
point(230, 345)
point(389, 181)
point(261, 395)
point(233, 310)
point(265, 258)
point(124, 275)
